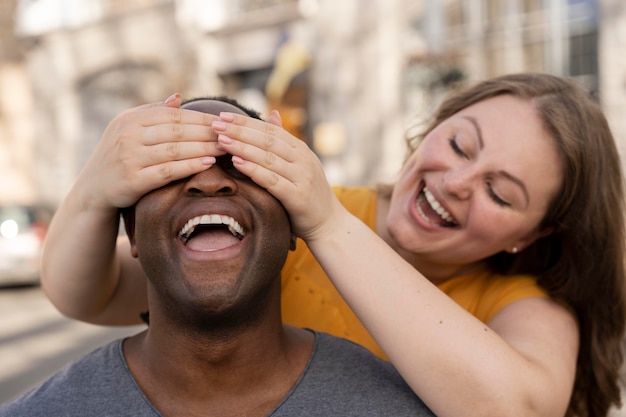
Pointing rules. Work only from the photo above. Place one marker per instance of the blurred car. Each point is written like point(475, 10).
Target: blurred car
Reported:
point(22, 231)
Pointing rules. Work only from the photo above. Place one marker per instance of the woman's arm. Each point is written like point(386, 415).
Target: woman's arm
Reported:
point(86, 272)
point(522, 363)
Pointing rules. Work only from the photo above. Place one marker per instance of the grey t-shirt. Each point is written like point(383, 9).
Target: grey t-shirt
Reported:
point(341, 379)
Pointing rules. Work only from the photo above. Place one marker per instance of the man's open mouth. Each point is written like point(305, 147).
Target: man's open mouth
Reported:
point(211, 232)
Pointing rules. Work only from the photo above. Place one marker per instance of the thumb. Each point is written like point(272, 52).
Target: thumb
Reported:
point(275, 118)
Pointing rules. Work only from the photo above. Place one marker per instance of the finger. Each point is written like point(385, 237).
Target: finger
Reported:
point(234, 119)
point(156, 115)
point(156, 176)
point(275, 118)
point(173, 101)
point(177, 151)
point(176, 133)
point(276, 184)
point(265, 136)
point(268, 160)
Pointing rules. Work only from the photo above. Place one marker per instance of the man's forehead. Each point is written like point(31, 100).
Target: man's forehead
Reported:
point(212, 107)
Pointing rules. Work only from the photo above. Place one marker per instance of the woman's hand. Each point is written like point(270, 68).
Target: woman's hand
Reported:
point(144, 148)
point(141, 149)
point(285, 166)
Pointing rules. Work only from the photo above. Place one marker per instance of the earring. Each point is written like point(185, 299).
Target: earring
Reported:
point(514, 249)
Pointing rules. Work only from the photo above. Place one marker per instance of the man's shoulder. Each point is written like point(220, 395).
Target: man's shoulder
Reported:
point(332, 348)
point(93, 385)
point(346, 359)
point(345, 379)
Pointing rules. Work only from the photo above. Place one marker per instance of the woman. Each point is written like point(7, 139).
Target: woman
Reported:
point(512, 200)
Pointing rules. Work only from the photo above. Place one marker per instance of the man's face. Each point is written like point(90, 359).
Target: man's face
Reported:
point(212, 241)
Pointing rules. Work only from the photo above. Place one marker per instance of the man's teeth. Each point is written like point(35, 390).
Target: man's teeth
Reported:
point(208, 219)
point(434, 204)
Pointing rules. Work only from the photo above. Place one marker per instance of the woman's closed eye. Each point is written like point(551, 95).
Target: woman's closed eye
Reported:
point(495, 197)
point(456, 148)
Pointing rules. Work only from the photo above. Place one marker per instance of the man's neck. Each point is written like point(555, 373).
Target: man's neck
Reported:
point(184, 372)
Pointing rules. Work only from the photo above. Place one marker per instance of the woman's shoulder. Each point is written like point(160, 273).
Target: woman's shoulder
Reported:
point(484, 293)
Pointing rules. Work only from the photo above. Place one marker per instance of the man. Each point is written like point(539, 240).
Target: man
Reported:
point(213, 246)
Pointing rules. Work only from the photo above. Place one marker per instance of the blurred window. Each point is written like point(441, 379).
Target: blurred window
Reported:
point(583, 54)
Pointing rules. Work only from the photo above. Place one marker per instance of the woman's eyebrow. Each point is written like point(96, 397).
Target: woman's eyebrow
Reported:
point(506, 174)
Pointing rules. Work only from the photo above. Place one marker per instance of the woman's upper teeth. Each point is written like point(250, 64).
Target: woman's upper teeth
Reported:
point(434, 204)
point(233, 226)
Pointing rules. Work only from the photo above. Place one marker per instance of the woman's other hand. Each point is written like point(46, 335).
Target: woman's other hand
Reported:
point(285, 166)
point(144, 148)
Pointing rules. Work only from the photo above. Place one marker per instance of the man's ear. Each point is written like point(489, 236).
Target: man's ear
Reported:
point(292, 241)
point(128, 215)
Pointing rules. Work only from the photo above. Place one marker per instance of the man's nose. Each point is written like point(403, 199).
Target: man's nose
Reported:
point(214, 181)
point(460, 182)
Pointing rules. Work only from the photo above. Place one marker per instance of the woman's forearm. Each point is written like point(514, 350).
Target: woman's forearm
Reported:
point(81, 270)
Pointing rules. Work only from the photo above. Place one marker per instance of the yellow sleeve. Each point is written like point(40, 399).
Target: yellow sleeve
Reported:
point(484, 294)
point(309, 299)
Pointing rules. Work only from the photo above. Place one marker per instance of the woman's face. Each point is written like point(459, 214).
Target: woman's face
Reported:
point(479, 183)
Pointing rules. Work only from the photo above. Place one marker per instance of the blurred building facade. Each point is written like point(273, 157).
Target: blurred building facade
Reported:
point(17, 148)
point(349, 76)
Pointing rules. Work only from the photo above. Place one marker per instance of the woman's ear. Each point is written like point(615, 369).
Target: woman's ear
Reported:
point(531, 238)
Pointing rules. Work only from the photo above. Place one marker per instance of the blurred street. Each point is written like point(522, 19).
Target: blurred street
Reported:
point(36, 340)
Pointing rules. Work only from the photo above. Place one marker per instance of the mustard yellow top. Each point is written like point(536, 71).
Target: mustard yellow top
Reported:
point(310, 300)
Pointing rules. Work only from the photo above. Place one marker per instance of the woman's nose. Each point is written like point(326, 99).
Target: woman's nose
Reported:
point(214, 181)
point(459, 182)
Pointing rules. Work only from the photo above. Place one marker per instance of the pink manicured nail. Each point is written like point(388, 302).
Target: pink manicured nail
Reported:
point(228, 117)
point(208, 160)
point(237, 160)
point(171, 98)
point(224, 139)
point(218, 125)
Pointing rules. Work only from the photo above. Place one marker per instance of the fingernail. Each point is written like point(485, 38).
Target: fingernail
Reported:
point(229, 117)
point(237, 160)
point(224, 139)
point(208, 160)
point(218, 125)
point(171, 98)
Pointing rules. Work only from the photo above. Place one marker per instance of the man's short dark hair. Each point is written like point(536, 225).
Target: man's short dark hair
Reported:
point(250, 112)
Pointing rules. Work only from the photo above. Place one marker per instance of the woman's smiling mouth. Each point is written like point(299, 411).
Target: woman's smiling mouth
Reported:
point(432, 211)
